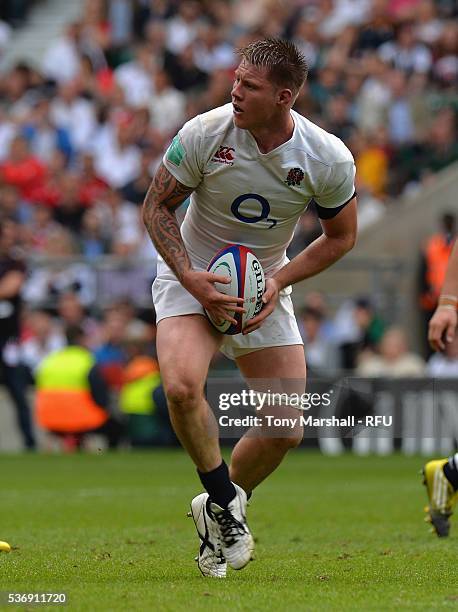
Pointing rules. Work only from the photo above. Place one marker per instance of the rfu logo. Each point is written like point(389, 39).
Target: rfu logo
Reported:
point(224, 155)
point(295, 176)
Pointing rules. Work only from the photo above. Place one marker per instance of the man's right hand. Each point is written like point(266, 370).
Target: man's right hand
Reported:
point(443, 323)
point(218, 305)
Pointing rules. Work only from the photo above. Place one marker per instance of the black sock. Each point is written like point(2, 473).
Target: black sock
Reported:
point(451, 474)
point(248, 495)
point(218, 485)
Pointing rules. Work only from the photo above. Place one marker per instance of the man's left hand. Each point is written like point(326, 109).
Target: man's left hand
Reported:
point(269, 300)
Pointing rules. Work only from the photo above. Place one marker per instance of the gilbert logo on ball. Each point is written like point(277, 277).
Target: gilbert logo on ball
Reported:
point(242, 266)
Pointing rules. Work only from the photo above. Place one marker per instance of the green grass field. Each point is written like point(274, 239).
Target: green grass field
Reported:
point(111, 531)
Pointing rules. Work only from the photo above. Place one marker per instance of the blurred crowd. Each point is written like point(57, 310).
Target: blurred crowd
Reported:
point(82, 132)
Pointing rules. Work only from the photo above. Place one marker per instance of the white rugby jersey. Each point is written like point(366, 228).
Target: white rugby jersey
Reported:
point(251, 198)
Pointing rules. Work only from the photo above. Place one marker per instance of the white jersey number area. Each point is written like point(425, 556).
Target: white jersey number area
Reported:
point(242, 196)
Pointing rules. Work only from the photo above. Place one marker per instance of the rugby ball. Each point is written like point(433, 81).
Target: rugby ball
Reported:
point(242, 266)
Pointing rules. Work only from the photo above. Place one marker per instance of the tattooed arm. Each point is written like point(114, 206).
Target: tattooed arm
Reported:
point(163, 198)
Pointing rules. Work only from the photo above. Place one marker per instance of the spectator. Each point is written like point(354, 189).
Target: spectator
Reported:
point(373, 97)
point(338, 118)
point(405, 52)
point(70, 209)
point(136, 190)
point(167, 106)
point(95, 84)
point(11, 205)
point(370, 207)
point(446, 65)
point(111, 354)
point(118, 162)
point(121, 222)
point(12, 276)
point(43, 137)
point(394, 360)
point(22, 169)
point(321, 354)
point(377, 30)
point(135, 77)
point(339, 14)
point(445, 364)
point(48, 192)
point(61, 60)
point(72, 313)
point(428, 27)
point(121, 18)
point(71, 112)
point(325, 87)
point(91, 187)
point(357, 327)
point(400, 120)
point(7, 133)
point(45, 337)
point(135, 328)
point(307, 38)
point(183, 72)
point(22, 85)
point(92, 240)
point(317, 301)
point(72, 398)
point(211, 52)
point(183, 28)
point(442, 145)
point(372, 162)
point(41, 230)
point(142, 399)
point(306, 232)
point(433, 264)
point(48, 281)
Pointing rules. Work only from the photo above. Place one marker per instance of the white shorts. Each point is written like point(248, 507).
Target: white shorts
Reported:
point(279, 329)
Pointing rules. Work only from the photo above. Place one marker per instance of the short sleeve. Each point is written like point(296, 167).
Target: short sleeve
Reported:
point(339, 187)
point(183, 157)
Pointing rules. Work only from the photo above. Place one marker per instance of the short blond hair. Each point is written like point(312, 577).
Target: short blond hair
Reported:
point(286, 65)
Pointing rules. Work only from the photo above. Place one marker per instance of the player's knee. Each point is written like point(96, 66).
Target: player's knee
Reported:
point(183, 394)
point(290, 440)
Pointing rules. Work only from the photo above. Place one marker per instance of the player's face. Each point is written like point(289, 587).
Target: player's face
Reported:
point(254, 97)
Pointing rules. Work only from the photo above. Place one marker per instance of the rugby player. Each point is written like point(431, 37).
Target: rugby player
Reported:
point(251, 168)
point(441, 475)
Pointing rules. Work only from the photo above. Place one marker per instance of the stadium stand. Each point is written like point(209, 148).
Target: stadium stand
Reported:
point(91, 92)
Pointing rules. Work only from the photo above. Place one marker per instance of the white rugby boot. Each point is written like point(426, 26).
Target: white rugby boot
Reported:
point(210, 559)
point(236, 540)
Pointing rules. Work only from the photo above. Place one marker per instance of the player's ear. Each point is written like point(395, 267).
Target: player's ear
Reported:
point(285, 97)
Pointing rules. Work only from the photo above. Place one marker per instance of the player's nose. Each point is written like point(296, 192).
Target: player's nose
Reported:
point(235, 93)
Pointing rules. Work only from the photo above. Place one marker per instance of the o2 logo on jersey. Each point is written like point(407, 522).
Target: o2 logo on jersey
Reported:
point(264, 212)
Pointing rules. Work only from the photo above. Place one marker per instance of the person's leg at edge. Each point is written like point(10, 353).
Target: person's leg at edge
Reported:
point(185, 347)
point(256, 455)
point(15, 379)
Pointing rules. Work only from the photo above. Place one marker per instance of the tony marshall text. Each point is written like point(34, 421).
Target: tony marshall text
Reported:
point(304, 421)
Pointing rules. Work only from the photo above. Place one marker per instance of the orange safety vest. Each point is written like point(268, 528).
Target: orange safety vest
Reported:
point(63, 399)
point(437, 254)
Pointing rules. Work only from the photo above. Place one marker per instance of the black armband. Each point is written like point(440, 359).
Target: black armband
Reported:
point(330, 213)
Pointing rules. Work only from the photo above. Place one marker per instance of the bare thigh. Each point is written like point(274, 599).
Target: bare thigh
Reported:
point(276, 370)
point(275, 364)
point(185, 347)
